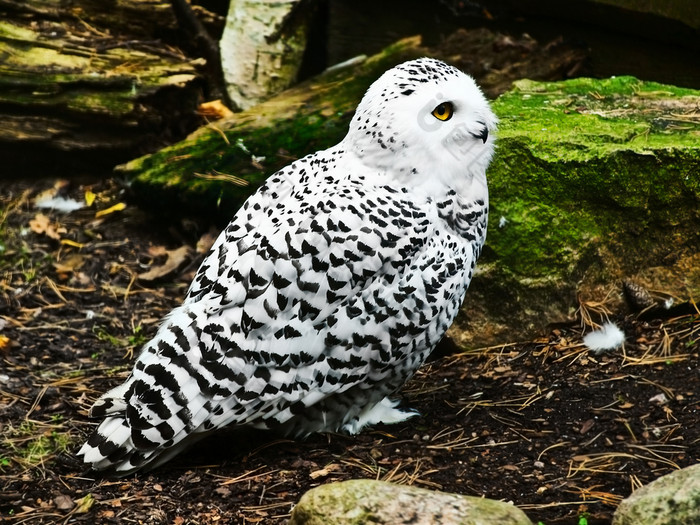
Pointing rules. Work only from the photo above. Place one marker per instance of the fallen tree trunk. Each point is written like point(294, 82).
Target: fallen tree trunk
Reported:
point(78, 94)
point(214, 170)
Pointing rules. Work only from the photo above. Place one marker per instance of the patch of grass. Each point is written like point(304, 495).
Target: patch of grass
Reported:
point(136, 339)
point(45, 446)
point(104, 336)
point(34, 443)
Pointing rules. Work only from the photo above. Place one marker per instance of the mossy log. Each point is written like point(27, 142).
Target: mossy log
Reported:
point(217, 167)
point(221, 164)
point(79, 96)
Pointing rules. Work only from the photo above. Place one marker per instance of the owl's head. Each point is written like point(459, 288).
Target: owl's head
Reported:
point(426, 124)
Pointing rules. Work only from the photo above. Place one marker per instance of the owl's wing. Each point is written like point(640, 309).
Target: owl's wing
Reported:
point(310, 291)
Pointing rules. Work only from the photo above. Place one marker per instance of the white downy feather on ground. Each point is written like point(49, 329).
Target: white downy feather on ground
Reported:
point(60, 204)
point(608, 337)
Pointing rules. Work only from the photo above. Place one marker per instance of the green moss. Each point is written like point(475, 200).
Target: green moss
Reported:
point(34, 443)
point(584, 165)
point(584, 168)
point(45, 446)
point(599, 116)
point(37, 72)
point(540, 238)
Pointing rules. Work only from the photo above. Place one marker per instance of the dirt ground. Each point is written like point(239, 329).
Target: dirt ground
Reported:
point(558, 430)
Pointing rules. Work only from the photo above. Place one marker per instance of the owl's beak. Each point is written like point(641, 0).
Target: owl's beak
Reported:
point(483, 134)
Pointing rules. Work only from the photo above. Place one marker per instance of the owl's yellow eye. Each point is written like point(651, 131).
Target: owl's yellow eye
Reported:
point(443, 111)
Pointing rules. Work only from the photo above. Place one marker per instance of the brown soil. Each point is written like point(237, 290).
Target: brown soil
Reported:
point(548, 425)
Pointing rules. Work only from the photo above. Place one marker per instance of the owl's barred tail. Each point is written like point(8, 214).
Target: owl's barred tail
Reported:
point(111, 447)
point(158, 411)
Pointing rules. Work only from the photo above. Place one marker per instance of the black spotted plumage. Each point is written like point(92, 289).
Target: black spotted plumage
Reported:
point(329, 287)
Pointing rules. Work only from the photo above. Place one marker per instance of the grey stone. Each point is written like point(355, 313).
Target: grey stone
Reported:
point(379, 502)
point(673, 499)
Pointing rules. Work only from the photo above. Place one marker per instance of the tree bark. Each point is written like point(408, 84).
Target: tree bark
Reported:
point(262, 47)
point(207, 47)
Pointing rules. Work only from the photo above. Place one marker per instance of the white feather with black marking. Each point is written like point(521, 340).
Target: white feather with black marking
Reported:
point(330, 286)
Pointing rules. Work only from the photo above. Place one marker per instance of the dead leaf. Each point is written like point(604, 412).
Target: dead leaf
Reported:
point(587, 425)
point(661, 399)
point(214, 110)
point(89, 197)
point(322, 473)
point(175, 259)
point(117, 207)
point(206, 241)
point(74, 244)
point(59, 187)
point(156, 251)
point(63, 502)
point(42, 224)
point(80, 280)
point(39, 223)
point(84, 504)
point(69, 263)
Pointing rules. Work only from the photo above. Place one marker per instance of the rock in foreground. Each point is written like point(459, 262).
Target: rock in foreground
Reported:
point(368, 501)
point(673, 499)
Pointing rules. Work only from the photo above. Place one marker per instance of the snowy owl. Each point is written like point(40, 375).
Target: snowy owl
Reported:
point(328, 289)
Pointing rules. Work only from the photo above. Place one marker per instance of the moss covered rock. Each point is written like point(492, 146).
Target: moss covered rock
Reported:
point(368, 501)
point(593, 181)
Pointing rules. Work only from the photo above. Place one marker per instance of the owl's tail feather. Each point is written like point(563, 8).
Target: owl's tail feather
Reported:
point(111, 451)
point(111, 448)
